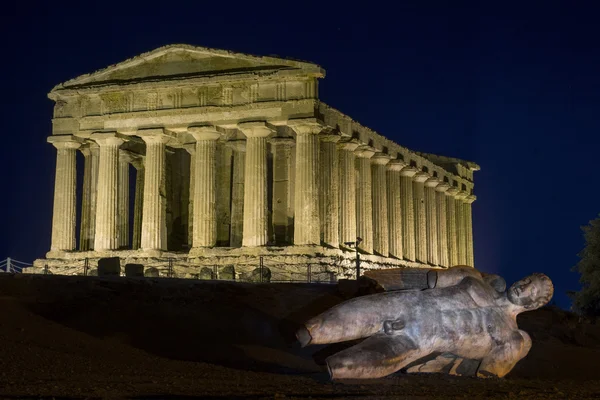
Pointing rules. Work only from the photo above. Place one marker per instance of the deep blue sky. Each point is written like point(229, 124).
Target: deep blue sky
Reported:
point(515, 89)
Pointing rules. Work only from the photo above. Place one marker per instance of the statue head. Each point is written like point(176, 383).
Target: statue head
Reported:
point(531, 292)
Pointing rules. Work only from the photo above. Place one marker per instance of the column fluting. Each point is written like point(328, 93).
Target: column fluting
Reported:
point(420, 216)
point(237, 192)
point(191, 149)
point(440, 193)
point(381, 238)
point(408, 212)
point(469, 229)
point(154, 223)
point(347, 192)
point(65, 185)
point(255, 184)
point(461, 232)
point(138, 164)
point(431, 221)
point(123, 199)
point(282, 217)
point(88, 205)
point(394, 201)
point(330, 206)
point(205, 187)
point(107, 228)
point(364, 198)
point(451, 226)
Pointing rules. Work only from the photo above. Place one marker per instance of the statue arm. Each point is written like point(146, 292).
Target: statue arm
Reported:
point(502, 359)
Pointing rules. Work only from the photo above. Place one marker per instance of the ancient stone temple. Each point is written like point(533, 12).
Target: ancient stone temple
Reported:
point(196, 158)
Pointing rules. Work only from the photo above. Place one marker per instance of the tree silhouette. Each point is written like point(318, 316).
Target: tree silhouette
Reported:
point(587, 300)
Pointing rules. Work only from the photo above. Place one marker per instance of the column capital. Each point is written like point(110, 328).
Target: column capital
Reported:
point(381, 159)
point(421, 177)
point(282, 141)
point(207, 132)
point(126, 156)
point(365, 151)
point(409, 171)
point(461, 195)
point(137, 162)
point(442, 187)
point(452, 191)
point(255, 129)
point(470, 198)
point(190, 148)
point(349, 144)
point(305, 126)
point(432, 182)
point(330, 137)
point(106, 139)
point(396, 165)
point(64, 141)
point(153, 135)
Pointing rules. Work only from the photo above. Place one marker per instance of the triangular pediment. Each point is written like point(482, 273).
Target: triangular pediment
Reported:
point(183, 61)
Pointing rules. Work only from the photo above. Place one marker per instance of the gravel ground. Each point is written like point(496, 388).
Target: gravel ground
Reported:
point(82, 338)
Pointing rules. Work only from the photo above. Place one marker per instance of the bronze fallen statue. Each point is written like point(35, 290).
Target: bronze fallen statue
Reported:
point(464, 314)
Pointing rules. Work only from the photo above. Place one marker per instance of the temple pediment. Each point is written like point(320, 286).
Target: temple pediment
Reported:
point(185, 61)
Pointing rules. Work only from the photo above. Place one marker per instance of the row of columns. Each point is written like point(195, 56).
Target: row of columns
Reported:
point(342, 190)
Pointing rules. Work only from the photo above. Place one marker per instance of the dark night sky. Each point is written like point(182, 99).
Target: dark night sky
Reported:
point(515, 89)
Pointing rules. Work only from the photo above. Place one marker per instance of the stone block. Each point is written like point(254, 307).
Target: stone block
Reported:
point(134, 270)
point(109, 266)
point(151, 272)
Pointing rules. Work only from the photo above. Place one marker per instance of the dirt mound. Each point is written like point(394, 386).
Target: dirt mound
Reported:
point(89, 336)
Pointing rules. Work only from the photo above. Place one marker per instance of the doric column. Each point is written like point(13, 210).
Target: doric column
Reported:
point(394, 201)
point(307, 226)
point(364, 198)
point(451, 226)
point(63, 217)
point(123, 199)
point(282, 218)
point(408, 212)
point(381, 241)
point(154, 222)
point(205, 187)
point(88, 205)
point(224, 158)
point(106, 237)
point(191, 149)
point(255, 183)
point(237, 192)
point(330, 205)
point(420, 216)
point(347, 192)
point(138, 164)
point(442, 229)
point(431, 221)
point(461, 232)
point(469, 229)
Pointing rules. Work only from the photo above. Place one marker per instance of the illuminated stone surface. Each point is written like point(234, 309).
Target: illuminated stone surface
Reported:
point(283, 176)
point(462, 313)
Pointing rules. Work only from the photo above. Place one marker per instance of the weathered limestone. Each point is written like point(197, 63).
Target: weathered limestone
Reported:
point(470, 261)
point(347, 193)
point(394, 200)
point(88, 204)
point(442, 229)
point(408, 212)
point(330, 205)
point(431, 221)
point(154, 223)
point(63, 220)
point(237, 192)
point(420, 216)
point(364, 197)
point(461, 232)
point(380, 204)
point(306, 207)
point(283, 214)
point(451, 226)
point(123, 199)
point(255, 183)
point(283, 177)
point(138, 164)
point(205, 187)
point(107, 232)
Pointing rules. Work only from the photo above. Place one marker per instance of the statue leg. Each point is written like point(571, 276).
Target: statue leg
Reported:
point(375, 357)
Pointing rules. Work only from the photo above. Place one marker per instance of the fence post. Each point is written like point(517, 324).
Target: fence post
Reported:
point(170, 271)
point(86, 265)
point(215, 272)
point(46, 269)
point(260, 269)
point(308, 277)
